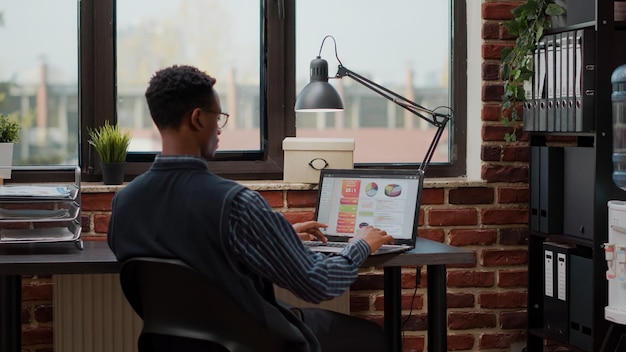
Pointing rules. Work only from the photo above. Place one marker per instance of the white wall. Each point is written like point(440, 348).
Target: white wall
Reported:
point(474, 88)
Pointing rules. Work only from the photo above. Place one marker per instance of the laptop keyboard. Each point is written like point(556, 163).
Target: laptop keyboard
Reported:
point(385, 248)
point(328, 244)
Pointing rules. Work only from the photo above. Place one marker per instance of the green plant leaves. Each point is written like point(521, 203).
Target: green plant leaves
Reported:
point(9, 130)
point(554, 10)
point(110, 142)
point(510, 137)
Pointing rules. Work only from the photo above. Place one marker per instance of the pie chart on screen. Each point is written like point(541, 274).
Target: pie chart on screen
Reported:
point(371, 189)
point(393, 190)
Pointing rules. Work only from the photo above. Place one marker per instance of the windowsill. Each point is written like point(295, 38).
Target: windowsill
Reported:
point(272, 185)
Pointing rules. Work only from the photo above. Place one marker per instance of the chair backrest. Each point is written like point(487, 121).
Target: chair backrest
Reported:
point(175, 300)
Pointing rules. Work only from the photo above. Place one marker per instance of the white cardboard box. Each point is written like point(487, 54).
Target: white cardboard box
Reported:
point(304, 157)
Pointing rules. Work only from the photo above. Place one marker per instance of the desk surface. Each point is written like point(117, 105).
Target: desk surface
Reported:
point(426, 252)
point(57, 258)
point(96, 257)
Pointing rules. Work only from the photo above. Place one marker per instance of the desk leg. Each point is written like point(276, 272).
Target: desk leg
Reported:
point(393, 307)
point(437, 308)
point(11, 313)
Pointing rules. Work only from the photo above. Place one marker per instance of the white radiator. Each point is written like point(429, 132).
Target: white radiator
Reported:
point(92, 315)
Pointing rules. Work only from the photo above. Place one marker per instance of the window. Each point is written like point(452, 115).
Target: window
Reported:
point(39, 79)
point(256, 91)
point(223, 41)
point(111, 48)
point(406, 49)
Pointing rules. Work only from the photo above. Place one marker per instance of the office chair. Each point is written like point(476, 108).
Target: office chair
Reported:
point(181, 307)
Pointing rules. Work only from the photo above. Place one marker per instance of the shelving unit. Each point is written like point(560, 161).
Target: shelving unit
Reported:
point(40, 213)
point(594, 172)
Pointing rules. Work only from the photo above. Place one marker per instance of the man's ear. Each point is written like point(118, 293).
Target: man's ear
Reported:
point(194, 119)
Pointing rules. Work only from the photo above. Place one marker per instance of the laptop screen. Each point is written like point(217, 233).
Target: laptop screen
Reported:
point(349, 199)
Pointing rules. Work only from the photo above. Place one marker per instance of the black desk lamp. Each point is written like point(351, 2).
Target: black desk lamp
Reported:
point(319, 96)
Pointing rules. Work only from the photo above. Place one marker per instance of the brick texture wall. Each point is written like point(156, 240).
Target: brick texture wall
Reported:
point(486, 300)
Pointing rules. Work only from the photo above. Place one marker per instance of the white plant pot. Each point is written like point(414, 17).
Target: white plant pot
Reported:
point(6, 160)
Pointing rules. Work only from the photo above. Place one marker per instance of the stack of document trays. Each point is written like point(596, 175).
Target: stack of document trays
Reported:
point(31, 213)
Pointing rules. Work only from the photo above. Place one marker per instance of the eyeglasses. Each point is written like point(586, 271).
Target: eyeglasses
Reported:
point(222, 118)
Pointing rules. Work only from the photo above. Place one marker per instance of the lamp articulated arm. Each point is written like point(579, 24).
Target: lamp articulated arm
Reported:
point(435, 118)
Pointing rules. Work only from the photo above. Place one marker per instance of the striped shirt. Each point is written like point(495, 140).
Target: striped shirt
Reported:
point(269, 245)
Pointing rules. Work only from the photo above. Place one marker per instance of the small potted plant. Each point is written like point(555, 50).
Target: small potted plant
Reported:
point(9, 135)
point(111, 144)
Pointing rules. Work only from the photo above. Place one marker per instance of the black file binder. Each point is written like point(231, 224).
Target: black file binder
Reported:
point(546, 191)
point(550, 190)
point(579, 165)
point(584, 86)
point(535, 165)
point(581, 296)
point(556, 296)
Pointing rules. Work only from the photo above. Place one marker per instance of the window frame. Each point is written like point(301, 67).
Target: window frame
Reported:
point(279, 25)
point(97, 94)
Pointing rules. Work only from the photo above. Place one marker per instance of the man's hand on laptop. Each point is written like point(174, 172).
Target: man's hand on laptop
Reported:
point(374, 237)
point(310, 231)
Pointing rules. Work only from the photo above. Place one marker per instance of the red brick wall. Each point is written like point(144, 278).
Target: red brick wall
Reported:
point(486, 300)
point(37, 313)
point(503, 162)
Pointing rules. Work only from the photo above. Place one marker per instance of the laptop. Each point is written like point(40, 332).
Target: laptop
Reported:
point(349, 199)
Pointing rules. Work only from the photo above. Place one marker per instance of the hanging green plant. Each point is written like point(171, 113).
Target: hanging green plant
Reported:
point(529, 22)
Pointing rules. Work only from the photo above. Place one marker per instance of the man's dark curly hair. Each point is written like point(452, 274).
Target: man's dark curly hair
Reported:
point(175, 91)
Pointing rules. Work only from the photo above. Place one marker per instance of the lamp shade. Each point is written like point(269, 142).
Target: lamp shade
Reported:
point(318, 94)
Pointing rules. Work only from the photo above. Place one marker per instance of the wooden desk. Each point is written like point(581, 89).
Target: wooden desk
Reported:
point(96, 257)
